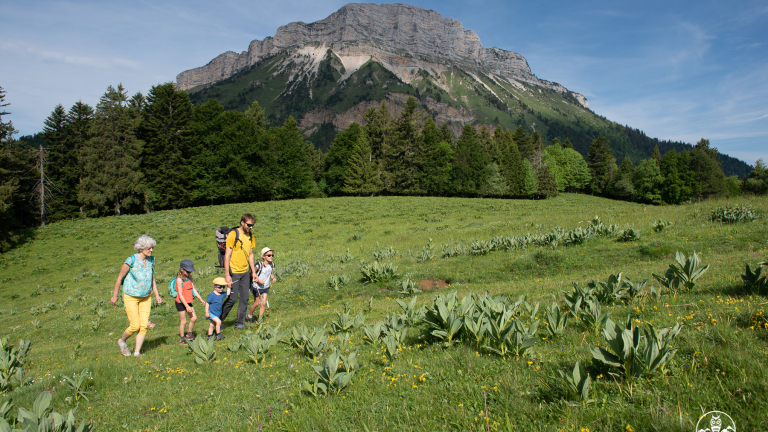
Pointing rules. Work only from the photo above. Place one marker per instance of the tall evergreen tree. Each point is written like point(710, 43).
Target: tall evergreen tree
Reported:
point(469, 170)
point(16, 181)
point(256, 112)
point(362, 177)
point(567, 144)
point(229, 161)
point(336, 162)
point(657, 155)
point(526, 145)
point(600, 162)
point(112, 179)
point(437, 161)
point(511, 165)
point(287, 173)
point(166, 158)
point(55, 134)
point(405, 152)
point(78, 128)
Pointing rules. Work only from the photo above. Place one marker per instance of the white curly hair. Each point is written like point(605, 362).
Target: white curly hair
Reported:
point(143, 243)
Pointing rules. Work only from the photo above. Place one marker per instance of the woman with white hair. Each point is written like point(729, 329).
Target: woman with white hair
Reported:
point(137, 277)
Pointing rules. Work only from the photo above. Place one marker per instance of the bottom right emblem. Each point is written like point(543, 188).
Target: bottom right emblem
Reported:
point(716, 421)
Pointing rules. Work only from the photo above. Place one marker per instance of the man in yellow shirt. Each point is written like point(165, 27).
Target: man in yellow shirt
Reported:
point(239, 269)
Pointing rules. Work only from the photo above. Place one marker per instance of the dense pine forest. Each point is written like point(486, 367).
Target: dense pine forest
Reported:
point(159, 151)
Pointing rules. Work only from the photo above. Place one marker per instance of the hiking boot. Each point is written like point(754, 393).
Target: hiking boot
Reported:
point(183, 341)
point(249, 318)
point(210, 337)
point(219, 337)
point(124, 348)
point(190, 336)
point(240, 327)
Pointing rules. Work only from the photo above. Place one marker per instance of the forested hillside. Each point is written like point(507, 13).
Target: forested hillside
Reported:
point(143, 154)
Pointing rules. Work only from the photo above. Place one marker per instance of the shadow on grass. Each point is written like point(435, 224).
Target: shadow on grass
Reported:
point(153, 343)
point(13, 239)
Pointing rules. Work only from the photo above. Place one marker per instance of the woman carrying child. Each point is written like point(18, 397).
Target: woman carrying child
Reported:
point(137, 277)
point(186, 293)
point(261, 284)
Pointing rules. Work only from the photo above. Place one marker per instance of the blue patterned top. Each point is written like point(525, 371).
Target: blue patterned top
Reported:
point(138, 281)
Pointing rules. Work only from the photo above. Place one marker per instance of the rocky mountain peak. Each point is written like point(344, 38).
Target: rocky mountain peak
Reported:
point(405, 39)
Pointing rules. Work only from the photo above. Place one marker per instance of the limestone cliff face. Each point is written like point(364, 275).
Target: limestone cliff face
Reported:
point(403, 38)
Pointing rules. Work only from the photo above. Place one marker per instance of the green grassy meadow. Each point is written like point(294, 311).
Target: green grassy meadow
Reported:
point(53, 287)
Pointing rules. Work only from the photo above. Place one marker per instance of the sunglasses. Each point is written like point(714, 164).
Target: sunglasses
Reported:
point(249, 225)
point(270, 255)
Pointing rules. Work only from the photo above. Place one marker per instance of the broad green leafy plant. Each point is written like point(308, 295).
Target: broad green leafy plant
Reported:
point(333, 375)
point(578, 383)
point(685, 273)
point(203, 350)
point(41, 418)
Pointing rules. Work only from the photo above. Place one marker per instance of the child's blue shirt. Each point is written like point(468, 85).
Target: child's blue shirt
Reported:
point(215, 302)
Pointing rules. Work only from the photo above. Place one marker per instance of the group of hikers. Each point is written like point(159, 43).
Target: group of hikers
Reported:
point(242, 275)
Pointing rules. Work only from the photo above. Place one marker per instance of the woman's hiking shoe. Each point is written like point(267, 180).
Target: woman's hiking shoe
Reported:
point(123, 348)
point(240, 327)
point(219, 337)
point(190, 337)
point(138, 354)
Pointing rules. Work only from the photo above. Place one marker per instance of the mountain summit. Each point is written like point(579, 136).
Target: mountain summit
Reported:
point(404, 39)
point(329, 73)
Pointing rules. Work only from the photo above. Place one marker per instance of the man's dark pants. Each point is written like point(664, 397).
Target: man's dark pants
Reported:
point(241, 288)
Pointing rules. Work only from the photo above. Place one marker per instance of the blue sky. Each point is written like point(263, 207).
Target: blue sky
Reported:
point(679, 70)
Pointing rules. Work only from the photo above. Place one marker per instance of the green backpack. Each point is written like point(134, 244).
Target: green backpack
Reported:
point(172, 288)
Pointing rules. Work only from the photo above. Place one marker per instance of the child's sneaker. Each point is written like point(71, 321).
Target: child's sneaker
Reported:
point(190, 336)
point(219, 337)
point(150, 325)
point(183, 341)
point(123, 348)
point(138, 354)
point(249, 318)
point(210, 337)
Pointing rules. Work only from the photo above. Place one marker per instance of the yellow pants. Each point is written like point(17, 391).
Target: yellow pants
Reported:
point(137, 309)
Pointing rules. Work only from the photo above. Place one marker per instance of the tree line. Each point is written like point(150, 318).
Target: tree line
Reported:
point(143, 154)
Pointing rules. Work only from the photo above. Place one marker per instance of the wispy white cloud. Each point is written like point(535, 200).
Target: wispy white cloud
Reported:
point(48, 55)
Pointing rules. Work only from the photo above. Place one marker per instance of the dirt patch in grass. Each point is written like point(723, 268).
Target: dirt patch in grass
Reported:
point(429, 284)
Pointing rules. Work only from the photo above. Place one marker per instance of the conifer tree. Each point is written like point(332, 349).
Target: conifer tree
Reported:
point(511, 165)
point(437, 160)
point(16, 180)
point(55, 135)
point(111, 179)
point(256, 112)
point(469, 170)
point(405, 151)
point(657, 155)
point(287, 172)
point(336, 160)
point(167, 154)
point(362, 177)
point(78, 133)
point(600, 162)
point(567, 144)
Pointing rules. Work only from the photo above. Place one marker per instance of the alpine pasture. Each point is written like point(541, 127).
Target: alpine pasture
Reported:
point(348, 356)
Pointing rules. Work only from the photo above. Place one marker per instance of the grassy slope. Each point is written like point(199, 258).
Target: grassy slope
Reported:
point(721, 364)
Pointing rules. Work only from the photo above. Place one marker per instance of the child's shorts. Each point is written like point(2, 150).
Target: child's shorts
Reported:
point(180, 307)
point(213, 316)
point(260, 291)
